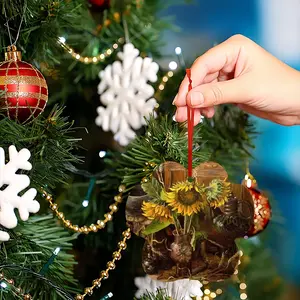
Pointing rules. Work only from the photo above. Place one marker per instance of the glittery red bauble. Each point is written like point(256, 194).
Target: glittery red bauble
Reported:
point(26, 90)
point(262, 212)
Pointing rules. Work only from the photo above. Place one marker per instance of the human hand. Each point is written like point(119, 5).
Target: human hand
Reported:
point(240, 72)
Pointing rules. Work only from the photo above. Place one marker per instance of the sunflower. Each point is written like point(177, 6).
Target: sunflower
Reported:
point(217, 192)
point(185, 198)
point(154, 211)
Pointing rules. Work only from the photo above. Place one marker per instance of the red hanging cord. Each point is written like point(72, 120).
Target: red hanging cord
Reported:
point(190, 121)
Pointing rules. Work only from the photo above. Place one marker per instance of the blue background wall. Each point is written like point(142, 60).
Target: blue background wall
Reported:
point(274, 25)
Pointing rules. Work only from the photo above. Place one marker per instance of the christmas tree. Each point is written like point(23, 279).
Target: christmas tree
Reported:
point(71, 161)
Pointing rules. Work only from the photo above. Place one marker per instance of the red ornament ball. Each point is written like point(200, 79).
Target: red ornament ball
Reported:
point(262, 212)
point(26, 90)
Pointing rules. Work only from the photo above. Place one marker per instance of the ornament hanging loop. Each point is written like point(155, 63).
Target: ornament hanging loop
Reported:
point(20, 25)
point(12, 53)
point(190, 120)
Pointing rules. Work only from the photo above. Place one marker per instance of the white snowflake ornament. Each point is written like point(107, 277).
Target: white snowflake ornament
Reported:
point(126, 93)
point(11, 185)
point(183, 289)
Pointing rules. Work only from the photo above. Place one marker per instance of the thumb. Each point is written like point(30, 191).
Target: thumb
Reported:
point(211, 94)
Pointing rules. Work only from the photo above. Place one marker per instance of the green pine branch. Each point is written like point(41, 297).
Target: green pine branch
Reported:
point(71, 199)
point(144, 31)
point(51, 145)
point(164, 140)
point(229, 135)
point(31, 245)
point(160, 294)
point(43, 22)
point(226, 139)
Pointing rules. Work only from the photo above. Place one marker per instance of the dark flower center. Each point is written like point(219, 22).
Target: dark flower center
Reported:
point(188, 197)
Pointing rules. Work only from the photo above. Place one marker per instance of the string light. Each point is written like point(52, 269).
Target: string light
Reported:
point(173, 65)
point(90, 59)
point(62, 39)
point(178, 50)
point(122, 245)
point(108, 296)
point(85, 203)
point(102, 153)
point(88, 291)
point(9, 283)
point(50, 261)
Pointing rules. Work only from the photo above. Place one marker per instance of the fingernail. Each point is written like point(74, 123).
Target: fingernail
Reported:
point(175, 99)
point(175, 116)
point(197, 99)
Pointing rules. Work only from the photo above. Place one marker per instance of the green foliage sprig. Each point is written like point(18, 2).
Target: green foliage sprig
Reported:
point(50, 143)
point(229, 136)
point(31, 245)
point(43, 22)
point(159, 295)
point(226, 139)
point(165, 140)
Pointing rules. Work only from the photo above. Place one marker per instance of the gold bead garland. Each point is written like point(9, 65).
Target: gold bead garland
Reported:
point(17, 289)
point(243, 292)
point(163, 82)
point(100, 224)
point(96, 283)
point(90, 59)
point(149, 168)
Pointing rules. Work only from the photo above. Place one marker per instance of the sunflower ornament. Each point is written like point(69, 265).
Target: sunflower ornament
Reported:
point(190, 223)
